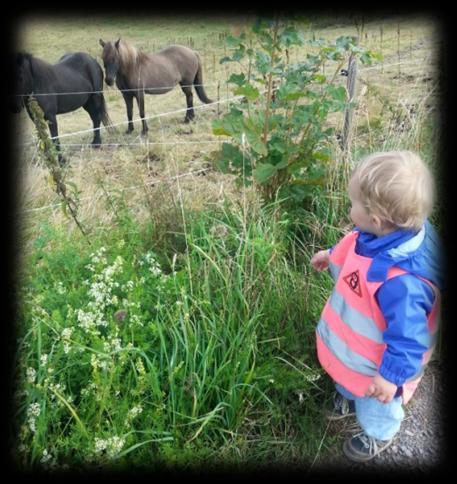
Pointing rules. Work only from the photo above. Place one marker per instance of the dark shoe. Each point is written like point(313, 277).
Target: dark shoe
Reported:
point(362, 448)
point(342, 408)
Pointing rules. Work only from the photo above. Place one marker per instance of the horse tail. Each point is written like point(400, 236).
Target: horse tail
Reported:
point(198, 84)
point(106, 120)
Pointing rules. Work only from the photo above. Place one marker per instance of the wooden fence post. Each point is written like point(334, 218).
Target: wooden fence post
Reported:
point(218, 98)
point(347, 126)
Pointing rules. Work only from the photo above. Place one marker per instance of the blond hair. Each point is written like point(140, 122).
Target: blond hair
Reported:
point(396, 186)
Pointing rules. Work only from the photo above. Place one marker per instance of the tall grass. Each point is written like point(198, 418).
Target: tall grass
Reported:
point(128, 357)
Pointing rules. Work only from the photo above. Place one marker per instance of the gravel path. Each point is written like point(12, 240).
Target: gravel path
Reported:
point(419, 445)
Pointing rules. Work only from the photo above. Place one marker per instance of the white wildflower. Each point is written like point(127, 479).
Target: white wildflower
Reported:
point(132, 413)
point(44, 359)
point(312, 376)
point(99, 256)
point(115, 445)
point(140, 366)
point(66, 333)
point(94, 361)
point(60, 288)
point(31, 375)
point(34, 410)
point(46, 457)
point(116, 344)
point(135, 319)
point(100, 445)
point(32, 426)
point(135, 411)
point(112, 445)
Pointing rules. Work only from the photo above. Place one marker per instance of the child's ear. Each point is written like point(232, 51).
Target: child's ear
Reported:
point(381, 225)
point(377, 221)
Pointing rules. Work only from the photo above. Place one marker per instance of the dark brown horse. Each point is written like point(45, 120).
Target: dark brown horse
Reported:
point(138, 73)
point(73, 82)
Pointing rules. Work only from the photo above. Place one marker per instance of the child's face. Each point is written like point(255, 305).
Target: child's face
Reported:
point(358, 213)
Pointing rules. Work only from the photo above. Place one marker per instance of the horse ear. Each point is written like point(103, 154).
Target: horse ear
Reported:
point(117, 43)
point(102, 43)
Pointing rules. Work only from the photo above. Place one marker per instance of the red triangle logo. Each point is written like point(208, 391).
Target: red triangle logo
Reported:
point(353, 281)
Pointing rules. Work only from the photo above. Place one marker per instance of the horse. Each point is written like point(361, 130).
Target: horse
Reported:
point(75, 81)
point(139, 73)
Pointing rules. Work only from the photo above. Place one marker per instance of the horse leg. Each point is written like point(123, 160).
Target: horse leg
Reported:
point(128, 98)
point(187, 90)
point(52, 121)
point(93, 108)
point(140, 101)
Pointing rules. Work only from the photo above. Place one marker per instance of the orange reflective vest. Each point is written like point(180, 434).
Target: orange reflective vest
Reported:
point(349, 335)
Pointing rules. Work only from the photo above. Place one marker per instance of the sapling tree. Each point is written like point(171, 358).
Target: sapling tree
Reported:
point(280, 135)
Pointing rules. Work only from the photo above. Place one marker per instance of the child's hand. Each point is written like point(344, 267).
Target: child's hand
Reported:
point(320, 260)
point(381, 389)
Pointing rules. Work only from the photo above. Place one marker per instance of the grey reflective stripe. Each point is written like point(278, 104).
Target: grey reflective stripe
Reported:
point(334, 270)
point(359, 323)
point(342, 352)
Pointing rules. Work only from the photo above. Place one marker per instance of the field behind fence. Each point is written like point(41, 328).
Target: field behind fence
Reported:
point(392, 95)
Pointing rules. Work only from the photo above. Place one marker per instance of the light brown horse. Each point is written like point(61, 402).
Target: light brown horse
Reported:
point(138, 73)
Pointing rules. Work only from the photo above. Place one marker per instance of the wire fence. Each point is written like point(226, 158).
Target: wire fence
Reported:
point(416, 66)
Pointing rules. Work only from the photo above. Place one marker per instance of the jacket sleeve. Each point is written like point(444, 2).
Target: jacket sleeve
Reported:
point(405, 302)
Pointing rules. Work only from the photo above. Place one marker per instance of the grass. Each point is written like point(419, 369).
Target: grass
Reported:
point(183, 335)
point(202, 345)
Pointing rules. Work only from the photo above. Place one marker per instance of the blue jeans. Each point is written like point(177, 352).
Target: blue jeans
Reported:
point(379, 420)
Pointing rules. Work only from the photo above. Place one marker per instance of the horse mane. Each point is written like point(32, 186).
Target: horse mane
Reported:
point(40, 69)
point(128, 55)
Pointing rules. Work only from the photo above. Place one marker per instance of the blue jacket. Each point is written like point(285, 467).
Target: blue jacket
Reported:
point(406, 300)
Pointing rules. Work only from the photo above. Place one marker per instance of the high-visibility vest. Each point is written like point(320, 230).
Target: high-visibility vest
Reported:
point(349, 334)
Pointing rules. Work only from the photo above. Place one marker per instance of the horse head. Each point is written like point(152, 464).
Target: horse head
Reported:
point(110, 57)
point(23, 81)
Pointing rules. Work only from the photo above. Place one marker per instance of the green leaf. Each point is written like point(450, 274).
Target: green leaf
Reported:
point(319, 78)
point(290, 92)
point(238, 79)
point(218, 129)
point(290, 37)
point(250, 92)
point(366, 58)
point(239, 54)
point(262, 62)
point(232, 41)
point(264, 172)
point(279, 145)
point(338, 93)
point(230, 125)
point(346, 42)
point(229, 158)
point(323, 155)
point(256, 143)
